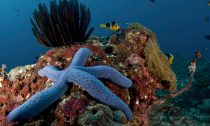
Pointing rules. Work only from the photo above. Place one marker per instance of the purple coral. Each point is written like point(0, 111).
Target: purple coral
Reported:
point(75, 106)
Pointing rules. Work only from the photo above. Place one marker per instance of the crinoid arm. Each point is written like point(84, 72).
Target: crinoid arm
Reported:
point(64, 24)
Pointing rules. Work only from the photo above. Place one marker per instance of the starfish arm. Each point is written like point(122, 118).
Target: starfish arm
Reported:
point(107, 72)
point(38, 102)
point(80, 57)
point(51, 72)
point(98, 91)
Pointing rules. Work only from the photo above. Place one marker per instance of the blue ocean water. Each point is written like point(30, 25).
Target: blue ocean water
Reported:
point(180, 25)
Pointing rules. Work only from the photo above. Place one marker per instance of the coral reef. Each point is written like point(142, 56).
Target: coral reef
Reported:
point(13, 93)
point(65, 24)
point(127, 56)
point(69, 109)
point(133, 61)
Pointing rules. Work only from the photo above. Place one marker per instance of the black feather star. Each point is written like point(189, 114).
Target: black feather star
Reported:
point(66, 23)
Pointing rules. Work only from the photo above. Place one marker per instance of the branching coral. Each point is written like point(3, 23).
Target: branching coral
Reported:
point(66, 23)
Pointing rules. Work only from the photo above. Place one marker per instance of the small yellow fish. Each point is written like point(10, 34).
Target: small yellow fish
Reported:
point(170, 58)
point(111, 25)
point(209, 3)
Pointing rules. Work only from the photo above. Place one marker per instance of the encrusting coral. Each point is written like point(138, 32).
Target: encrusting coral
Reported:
point(65, 24)
point(77, 74)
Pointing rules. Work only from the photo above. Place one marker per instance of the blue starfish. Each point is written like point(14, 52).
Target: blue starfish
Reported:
point(86, 77)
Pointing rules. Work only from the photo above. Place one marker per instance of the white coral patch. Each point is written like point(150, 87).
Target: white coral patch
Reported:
point(137, 102)
point(20, 72)
point(1, 79)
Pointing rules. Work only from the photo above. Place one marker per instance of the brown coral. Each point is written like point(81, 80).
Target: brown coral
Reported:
point(101, 115)
point(158, 65)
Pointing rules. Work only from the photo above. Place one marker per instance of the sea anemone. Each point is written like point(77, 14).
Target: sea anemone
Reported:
point(66, 23)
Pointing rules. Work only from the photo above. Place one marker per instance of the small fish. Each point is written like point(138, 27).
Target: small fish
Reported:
point(192, 67)
point(153, 1)
point(207, 37)
point(170, 58)
point(197, 54)
point(111, 25)
point(209, 3)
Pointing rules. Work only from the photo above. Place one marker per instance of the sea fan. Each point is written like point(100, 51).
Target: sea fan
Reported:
point(66, 23)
